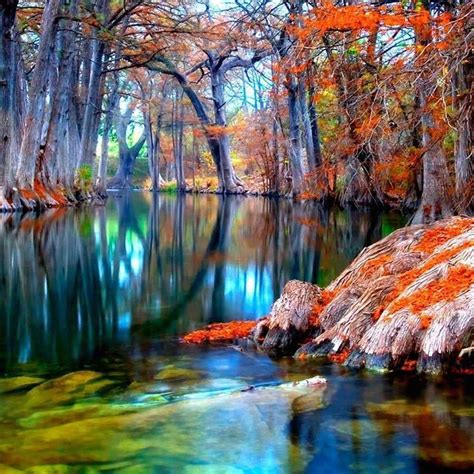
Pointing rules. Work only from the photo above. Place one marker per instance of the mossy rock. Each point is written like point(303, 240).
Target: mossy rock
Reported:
point(4, 469)
point(70, 414)
point(398, 408)
point(67, 389)
point(49, 469)
point(178, 373)
point(13, 384)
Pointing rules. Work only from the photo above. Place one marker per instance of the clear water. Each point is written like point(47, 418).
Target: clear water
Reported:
point(93, 377)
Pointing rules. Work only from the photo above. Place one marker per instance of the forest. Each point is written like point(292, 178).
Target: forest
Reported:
point(359, 103)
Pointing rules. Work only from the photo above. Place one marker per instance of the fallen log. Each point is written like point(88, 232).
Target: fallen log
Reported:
point(405, 303)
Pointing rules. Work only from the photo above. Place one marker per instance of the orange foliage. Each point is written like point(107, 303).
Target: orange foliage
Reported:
point(448, 288)
point(457, 280)
point(372, 265)
point(220, 332)
point(437, 236)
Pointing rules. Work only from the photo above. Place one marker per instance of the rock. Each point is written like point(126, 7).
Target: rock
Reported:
point(171, 434)
point(67, 389)
point(49, 469)
point(4, 469)
point(178, 373)
point(13, 384)
point(70, 414)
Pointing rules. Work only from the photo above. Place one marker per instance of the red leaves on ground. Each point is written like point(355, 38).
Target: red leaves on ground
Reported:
point(220, 332)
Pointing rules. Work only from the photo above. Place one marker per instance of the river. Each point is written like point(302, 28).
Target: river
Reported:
point(93, 377)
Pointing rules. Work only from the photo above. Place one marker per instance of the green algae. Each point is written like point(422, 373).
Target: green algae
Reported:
point(178, 373)
point(4, 469)
point(49, 469)
point(104, 434)
point(67, 389)
point(13, 384)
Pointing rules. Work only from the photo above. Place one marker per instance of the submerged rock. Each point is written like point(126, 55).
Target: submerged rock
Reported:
point(67, 389)
point(178, 373)
point(452, 448)
point(49, 469)
point(13, 384)
point(201, 429)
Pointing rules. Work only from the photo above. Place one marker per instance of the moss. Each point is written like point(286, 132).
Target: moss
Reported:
point(178, 373)
point(67, 389)
point(18, 383)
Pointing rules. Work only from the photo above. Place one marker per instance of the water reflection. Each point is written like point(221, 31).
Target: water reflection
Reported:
point(74, 282)
point(106, 289)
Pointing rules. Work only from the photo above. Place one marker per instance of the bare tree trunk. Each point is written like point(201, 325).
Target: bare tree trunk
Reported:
point(30, 146)
point(464, 158)
point(436, 201)
point(180, 145)
point(127, 155)
point(296, 162)
point(153, 149)
point(230, 182)
point(313, 117)
point(306, 126)
point(93, 104)
point(7, 94)
point(60, 102)
point(112, 101)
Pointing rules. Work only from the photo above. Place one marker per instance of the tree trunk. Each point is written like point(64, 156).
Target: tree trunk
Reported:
point(230, 183)
point(464, 157)
point(127, 155)
point(30, 146)
point(7, 95)
point(306, 126)
point(92, 107)
point(436, 201)
point(57, 130)
point(112, 101)
point(178, 140)
point(296, 162)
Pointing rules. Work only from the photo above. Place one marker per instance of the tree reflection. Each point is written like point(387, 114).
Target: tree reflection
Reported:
point(73, 282)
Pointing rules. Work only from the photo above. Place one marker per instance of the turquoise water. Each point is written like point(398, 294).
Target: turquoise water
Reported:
point(94, 378)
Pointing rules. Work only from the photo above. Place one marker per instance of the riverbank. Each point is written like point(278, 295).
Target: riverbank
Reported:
point(41, 198)
point(405, 303)
point(258, 189)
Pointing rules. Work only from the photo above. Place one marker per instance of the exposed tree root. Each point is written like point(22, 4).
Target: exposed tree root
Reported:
point(40, 198)
point(405, 303)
